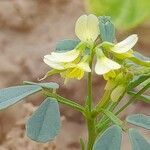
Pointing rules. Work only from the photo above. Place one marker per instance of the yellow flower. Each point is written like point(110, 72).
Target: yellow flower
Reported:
point(87, 29)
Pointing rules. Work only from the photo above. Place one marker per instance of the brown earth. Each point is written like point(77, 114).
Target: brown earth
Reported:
point(28, 31)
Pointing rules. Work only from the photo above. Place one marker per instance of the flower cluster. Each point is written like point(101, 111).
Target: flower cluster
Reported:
point(74, 63)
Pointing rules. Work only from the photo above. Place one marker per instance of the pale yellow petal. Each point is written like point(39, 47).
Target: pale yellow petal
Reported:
point(92, 27)
point(53, 65)
point(64, 57)
point(126, 44)
point(86, 28)
point(104, 65)
point(81, 28)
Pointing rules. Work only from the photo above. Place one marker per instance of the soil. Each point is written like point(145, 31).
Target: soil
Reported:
point(28, 31)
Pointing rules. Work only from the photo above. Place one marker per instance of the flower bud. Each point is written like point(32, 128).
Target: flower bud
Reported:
point(117, 92)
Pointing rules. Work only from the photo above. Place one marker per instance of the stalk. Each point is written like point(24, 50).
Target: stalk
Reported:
point(91, 133)
point(89, 97)
point(89, 106)
point(65, 101)
point(132, 99)
point(103, 126)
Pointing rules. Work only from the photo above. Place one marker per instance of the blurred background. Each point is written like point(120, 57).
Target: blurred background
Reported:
point(29, 29)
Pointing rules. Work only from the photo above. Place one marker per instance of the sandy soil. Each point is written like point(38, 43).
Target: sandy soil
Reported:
point(28, 31)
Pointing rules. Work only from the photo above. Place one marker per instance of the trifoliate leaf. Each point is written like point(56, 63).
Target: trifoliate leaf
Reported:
point(66, 45)
point(12, 95)
point(138, 142)
point(107, 29)
point(44, 124)
point(139, 120)
point(47, 85)
point(110, 140)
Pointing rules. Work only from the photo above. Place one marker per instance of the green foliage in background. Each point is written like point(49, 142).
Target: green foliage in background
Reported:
point(126, 14)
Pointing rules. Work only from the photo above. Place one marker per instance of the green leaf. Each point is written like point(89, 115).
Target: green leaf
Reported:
point(49, 85)
point(107, 29)
point(66, 45)
point(112, 117)
point(138, 142)
point(12, 95)
point(143, 97)
point(140, 120)
point(44, 124)
point(137, 80)
point(110, 139)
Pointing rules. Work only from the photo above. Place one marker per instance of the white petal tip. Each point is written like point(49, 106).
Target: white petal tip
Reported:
point(105, 65)
point(126, 45)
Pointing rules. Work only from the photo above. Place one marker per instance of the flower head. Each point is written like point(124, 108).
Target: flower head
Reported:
point(74, 63)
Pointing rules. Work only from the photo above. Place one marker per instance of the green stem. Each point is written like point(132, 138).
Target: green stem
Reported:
point(89, 84)
point(104, 117)
point(115, 104)
point(89, 107)
point(140, 62)
point(65, 101)
point(91, 133)
point(90, 120)
point(103, 126)
point(132, 99)
point(89, 97)
point(102, 103)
